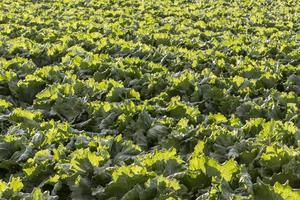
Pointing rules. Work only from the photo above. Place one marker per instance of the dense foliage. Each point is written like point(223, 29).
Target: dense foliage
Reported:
point(149, 99)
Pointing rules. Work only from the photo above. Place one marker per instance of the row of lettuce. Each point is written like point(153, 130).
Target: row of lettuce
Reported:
point(57, 157)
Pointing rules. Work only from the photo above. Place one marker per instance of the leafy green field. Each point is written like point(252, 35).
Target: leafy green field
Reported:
point(154, 99)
